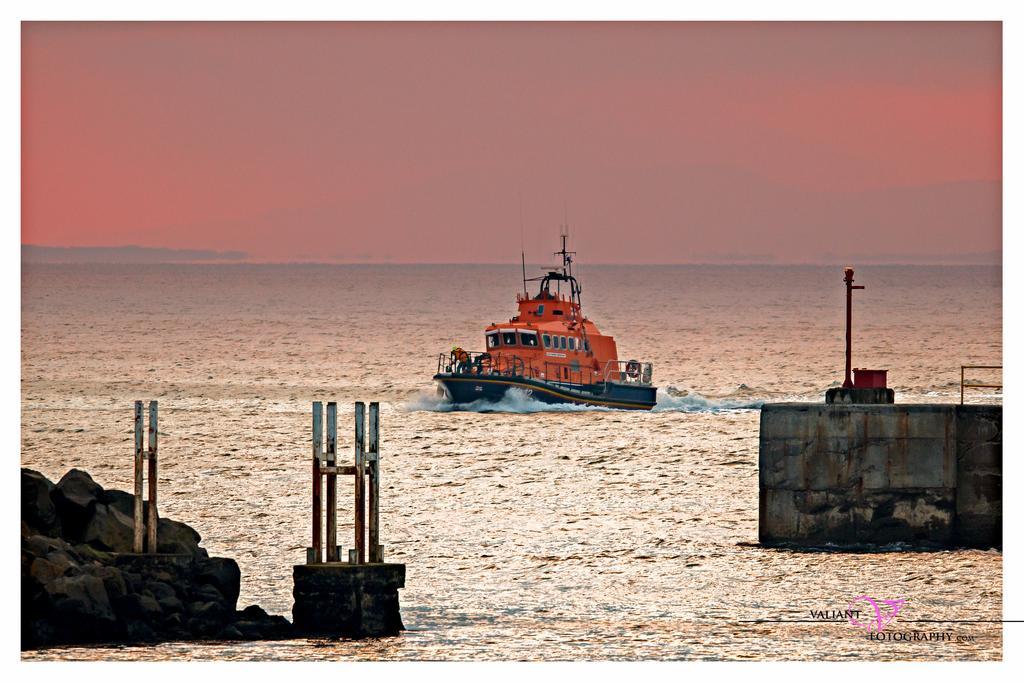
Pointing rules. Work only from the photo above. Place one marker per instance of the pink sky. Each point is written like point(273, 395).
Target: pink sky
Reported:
point(665, 142)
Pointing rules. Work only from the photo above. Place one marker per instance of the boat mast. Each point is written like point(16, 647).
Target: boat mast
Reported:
point(574, 288)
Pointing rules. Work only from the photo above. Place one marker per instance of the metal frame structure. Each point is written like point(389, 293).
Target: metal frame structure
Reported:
point(365, 472)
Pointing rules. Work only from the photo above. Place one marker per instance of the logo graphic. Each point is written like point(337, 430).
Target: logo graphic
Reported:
point(882, 617)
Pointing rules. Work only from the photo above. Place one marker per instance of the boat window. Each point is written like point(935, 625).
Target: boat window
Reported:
point(508, 338)
point(528, 338)
point(558, 312)
point(540, 310)
point(586, 345)
point(572, 343)
point(547, 341)
point(563, 343)
point(492, 340)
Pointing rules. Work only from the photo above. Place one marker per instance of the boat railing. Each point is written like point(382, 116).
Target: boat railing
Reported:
point(628, 372)
point(480, 363)
point(484, 363)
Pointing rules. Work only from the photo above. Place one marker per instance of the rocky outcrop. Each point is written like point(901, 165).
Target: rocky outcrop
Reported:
point(37, 508)
point(80, 582)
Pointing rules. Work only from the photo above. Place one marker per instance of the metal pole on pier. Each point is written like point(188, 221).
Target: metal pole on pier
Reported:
point(373, 464)
point(332, 482)
point(848, 381)
point(360, 483)
point(316, 554)
point(140, 458)
point(152, 518)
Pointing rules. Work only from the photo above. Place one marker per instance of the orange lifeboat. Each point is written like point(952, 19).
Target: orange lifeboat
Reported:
point(551, 352)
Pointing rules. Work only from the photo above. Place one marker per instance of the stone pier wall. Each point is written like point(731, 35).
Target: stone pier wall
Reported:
point(926, 474)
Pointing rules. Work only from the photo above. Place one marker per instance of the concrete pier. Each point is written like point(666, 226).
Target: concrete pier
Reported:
point(353, 600)
point(925, 474)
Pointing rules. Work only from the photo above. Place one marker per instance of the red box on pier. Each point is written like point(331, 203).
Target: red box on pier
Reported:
point(869, 379)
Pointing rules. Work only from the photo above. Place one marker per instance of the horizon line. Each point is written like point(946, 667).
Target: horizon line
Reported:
point(787, 264)
point(51, 255)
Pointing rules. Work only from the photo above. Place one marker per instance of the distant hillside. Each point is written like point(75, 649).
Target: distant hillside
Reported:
point(31, 253)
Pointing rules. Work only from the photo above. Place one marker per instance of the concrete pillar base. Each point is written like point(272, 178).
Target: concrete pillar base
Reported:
point(857, 395)
point(352, 600)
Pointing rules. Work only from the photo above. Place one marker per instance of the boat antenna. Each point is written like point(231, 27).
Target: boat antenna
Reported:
point(526, 292)
point(567, 264)
point(522, 247)
point(564, 252)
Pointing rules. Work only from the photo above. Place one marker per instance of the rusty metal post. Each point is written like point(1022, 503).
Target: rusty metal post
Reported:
point(332, 482)
point(153, 521)
point(373, 485)
point(316, 551)
point(848, 381)
point(140, 457)
point(360, 502)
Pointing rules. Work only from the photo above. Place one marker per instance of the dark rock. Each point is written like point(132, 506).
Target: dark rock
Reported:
point(174, 621)
point(282, 628)
point(176, 537)
point(133, 580)
point(223, 574)
point(43, 571)
point(139, 606)
point(251, 630)
point(40, 546)
point(208, 611)
point(253, 613)
point(110, 530)
point(171, 605)
point(208, 593)
point(81, 603)
point(161, 590)
point(89, 553)
point(64, 562)
point(36, 632)
point(122, 501)
point(207, 618)
point(255, 624)
point(163, 576)
point(112, 579)
point(229, 632)
point(37, 508)
point(199, 628)
point(75, 497)
point(141, 632)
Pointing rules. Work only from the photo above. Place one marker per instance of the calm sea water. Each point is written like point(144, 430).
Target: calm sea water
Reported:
point(530, 532)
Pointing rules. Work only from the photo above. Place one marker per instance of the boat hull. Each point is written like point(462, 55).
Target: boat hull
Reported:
point(463, 388)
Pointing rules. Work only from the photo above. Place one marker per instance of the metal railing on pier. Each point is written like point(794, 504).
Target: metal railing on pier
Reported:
point(964, 384)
